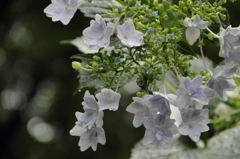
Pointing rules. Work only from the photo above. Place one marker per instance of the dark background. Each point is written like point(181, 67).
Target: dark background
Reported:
point(37, 107)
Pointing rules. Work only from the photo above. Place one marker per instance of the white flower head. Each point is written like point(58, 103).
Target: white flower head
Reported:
point(108, 99)
point(194, 25)
point(92, 114)
point(229, 40)
point(92, 138)
point(222, 81)
point(128, 35)
point(98, 34)
point(192, 92)
point(88, 137)
point(194, 122)
point(224, 111)
point(62, 10)
point(141, 108)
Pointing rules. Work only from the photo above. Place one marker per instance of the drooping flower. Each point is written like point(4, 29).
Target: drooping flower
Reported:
point(89, 125)
point(92, 114)
point(91, 138)
point(159, 129)
point(141, 107)
point(192, 92)
point(194, 25)
point(79, 128)
point(233, 58)
point(229, 40)
point(194, 122)
point(98, 34)
point(62, 10)
point(128, 35)
point(108, 99)
point(88, 137)
point(222, 81)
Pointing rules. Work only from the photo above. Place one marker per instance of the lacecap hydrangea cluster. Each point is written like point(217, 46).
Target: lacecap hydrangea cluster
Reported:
point(142, 40)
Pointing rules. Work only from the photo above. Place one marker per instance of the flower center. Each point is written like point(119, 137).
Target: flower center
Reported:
point(111, 99)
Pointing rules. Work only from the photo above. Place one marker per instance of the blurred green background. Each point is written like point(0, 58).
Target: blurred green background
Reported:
point(37, 106)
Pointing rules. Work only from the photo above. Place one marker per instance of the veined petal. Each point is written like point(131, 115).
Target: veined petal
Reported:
point(192, 34)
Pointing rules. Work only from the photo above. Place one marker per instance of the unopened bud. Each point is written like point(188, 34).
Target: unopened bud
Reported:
point(76, 65)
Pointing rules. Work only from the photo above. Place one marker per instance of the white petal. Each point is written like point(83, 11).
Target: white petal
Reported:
point(192, 34)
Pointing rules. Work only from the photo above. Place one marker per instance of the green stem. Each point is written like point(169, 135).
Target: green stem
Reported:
point(169, 86)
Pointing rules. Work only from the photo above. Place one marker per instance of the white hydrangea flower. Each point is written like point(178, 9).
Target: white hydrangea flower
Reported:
point(128, 35)
point(98, 34)
point(192, 92)
point(229, 40)
point(62, 10)
point(88, 137)
point(92, 114)
point(78, 130)
point(141, 108)
point(92, 138)
point(194, 122)
point(224, 111)
point(222, 81)
point(108, 99)
point(194, 25)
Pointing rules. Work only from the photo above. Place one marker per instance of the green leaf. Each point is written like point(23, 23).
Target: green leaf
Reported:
point(101, 7)
point(186, 49)
point(151, 152)
point(222, 146)
point(84, 57)
point(79, 43)
point(225, 145)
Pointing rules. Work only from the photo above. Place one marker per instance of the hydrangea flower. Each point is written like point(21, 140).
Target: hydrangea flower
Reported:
point(233, 58)
point(141, 107)
point(137, 5)
point(128, 35)
point(89, 125)
point(194, 122)
point(62, 10)
point(224, 111)
point(192, 92)
point(222, 81)
point(154, 13)
point(199, 3)
point(88, 137)
point(160, 103)
point(79, 128)
point(159, 129)
point(229, 40)
point(92, 113)
point(98, 34)
point(171, 36)
point(194, 25)
point(160, 39)
point(91, 138)
point(108, 99)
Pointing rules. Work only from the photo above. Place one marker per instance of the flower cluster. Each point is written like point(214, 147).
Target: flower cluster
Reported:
point(142, 41)
point(99, 33)
point(62, 10)
point(89, 124)
point(153, 111)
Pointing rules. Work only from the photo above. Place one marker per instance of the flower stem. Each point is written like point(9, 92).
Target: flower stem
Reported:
point(201, 51)
point(215, 35)
point(175, 71)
